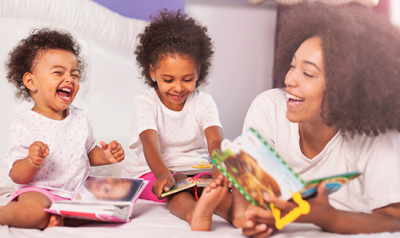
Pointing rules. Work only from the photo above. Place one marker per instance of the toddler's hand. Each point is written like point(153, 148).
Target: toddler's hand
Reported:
point(163, 184)
point(113, 152)
point(38, 152)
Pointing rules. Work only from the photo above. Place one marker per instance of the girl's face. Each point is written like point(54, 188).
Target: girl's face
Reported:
point(305, 83)
point(176, 79)
point(56, 79)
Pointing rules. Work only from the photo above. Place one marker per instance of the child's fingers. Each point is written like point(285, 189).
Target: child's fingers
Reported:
point(104, 145)
point(120, 155)
point(115, 146)
point(119, 159)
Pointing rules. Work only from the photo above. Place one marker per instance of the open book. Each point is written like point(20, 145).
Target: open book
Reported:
point(109, 199)
point(188, 183)
point(255, 169)
point(192, 169)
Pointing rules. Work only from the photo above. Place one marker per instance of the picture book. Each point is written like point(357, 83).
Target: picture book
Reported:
point(255, 169)
point(188, 183)
point(109, 199)
point(192, 169)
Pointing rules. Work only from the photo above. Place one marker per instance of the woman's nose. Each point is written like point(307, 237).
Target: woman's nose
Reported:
point(291, 78)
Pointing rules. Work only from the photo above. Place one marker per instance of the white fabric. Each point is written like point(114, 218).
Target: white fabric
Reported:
point(378, 158)
point(69, 141)
point(181, 133)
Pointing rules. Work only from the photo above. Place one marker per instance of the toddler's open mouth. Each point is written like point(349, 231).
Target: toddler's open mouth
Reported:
point(64, 93)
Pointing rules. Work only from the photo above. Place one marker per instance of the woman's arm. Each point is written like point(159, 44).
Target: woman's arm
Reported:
point(152, 153)
point(322, 214)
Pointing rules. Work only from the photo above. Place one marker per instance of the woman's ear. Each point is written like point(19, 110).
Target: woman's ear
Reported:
point(29, 80)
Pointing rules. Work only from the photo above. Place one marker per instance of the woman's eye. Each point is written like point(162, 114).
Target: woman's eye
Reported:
point(291, 66)
point(58, 73)
point(308, 75)
point(75, 76)
point(168, 80)
point(188, 80)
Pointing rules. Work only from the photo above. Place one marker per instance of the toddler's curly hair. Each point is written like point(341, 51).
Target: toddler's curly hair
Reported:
point(174, 34)
point(361, 58)
point(23, 57)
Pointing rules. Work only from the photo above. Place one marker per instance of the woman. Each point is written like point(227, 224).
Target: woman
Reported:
point(338, 110)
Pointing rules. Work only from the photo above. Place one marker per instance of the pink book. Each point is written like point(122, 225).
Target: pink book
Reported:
point(109, 199)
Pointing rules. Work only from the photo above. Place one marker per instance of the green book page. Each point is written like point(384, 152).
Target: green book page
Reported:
point(257, 170)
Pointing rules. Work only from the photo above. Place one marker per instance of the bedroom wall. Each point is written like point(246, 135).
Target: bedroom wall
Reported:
point(243, 38)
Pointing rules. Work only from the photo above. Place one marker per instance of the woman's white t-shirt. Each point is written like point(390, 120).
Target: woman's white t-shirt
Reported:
point(378, 158)
point(180, 133)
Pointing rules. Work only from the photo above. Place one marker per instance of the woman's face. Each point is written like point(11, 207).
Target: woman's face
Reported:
point(305, 83)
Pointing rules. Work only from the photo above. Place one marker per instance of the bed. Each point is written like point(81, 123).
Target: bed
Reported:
point(108, 41)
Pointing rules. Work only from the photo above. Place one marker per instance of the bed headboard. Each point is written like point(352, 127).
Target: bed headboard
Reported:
point(108, 41)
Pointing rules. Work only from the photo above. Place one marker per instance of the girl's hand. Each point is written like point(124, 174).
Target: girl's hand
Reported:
point(38, 151)
point(113, 152)
point(163, 183)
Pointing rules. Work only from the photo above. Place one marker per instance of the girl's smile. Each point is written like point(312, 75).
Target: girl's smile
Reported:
point(176, 79)
point(54, 82)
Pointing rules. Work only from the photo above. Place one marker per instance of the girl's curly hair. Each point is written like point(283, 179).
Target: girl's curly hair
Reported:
point(173, 33)
point(361, 58)
point(21, 59)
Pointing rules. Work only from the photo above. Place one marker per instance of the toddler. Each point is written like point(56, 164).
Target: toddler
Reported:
point(174, 123)
point(51, 146)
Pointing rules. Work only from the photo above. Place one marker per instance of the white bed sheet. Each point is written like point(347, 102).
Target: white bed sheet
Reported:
point(151, 219)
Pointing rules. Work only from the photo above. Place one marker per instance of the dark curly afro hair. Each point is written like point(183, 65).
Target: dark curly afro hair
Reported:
point(361, 57)
point(21, 59)
point(173, 33)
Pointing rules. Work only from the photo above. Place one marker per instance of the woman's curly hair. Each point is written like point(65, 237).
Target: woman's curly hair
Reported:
point(23, 57)
point(173, 33)
point(361, 58)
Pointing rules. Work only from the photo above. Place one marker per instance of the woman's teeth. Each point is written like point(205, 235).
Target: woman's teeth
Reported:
point(292, 97)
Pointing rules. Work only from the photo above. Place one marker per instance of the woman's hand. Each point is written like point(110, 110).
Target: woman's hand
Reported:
point(258, 222)
point(163, 184)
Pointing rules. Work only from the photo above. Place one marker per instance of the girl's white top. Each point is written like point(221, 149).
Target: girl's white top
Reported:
point(180, 133)
point(69, 141)
point(378, 158)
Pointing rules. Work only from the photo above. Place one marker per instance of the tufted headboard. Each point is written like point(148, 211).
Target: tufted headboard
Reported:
point(108, 41)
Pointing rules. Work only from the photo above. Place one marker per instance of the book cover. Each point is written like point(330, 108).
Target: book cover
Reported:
point(188, 183)
point(192, 169)
point(256, 169)
point(109, 199)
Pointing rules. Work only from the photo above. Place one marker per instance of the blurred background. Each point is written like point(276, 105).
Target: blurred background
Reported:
point(243, 32)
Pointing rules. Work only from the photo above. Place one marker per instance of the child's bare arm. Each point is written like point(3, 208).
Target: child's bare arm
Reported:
point(152, 153)
point(109, 154)
point(214, 137)
point(25, 169)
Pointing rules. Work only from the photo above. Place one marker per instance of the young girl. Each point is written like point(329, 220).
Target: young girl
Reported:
point(51, 147)
point(339, 112)
point(174, 124)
